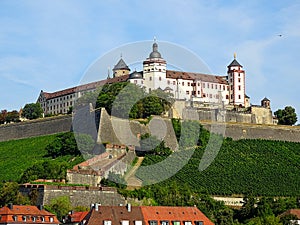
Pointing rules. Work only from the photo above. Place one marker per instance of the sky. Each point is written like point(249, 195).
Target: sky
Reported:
point(49, 45)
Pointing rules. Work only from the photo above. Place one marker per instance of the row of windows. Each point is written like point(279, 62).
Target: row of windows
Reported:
point(32, 218)
point(65, 104)
point(62, 98)
point(155, 222)
point(152, 69)
point(166, 222)
point(212, 86)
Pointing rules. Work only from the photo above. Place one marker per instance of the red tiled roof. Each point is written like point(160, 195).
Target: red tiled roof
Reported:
point(76, 217)
point(195, 76)
point(85, 87)
point(7, 214)
point(168, 213)
point(116, 214)
point(295, 212)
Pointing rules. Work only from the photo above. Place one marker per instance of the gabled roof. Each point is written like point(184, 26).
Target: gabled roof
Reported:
point(235, 63)
point(7, 214)
point(195, 76)
point(170, 213)
point(295, 212)
point(265, 99)
point(84, 87)
point(76, 217)
point(121, 65)
point(115, 214)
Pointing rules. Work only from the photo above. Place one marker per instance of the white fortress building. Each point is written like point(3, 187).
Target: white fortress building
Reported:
point(198, 88)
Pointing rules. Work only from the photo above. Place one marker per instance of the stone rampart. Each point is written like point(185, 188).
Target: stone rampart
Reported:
point(35, 128)
point(79, 195)
point(253, 131)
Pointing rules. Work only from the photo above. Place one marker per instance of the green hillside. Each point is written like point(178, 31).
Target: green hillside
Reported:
point(18, 155)
point(257, 167)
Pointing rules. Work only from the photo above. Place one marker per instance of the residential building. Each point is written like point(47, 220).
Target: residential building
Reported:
point(26, 214)
point(145, 215)
point(294, 212)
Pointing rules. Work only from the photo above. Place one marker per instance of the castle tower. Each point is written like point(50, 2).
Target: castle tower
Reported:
point(154, 70)
point(236, 81)
point(120, 69)
point(265, 103)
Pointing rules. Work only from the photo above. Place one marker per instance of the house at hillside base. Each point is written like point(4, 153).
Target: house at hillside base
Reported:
point(26, 214)
point(144, 215)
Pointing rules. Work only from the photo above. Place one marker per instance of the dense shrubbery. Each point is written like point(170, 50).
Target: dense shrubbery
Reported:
point(129, 100)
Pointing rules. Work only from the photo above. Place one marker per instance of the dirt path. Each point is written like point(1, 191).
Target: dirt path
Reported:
point(132, 181)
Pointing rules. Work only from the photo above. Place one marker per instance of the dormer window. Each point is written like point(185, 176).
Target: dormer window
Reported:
point(164, 222)
point(153, 222)
point(24, 218)
point(106, 222)
point(187, 222)
point(51, 219)
point(33, 219)
point(15, 218)
point(42, 219)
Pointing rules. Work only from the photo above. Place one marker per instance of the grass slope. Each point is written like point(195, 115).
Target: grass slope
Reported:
point(18, 155)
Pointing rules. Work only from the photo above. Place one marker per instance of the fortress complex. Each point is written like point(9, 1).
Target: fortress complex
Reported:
point(190, 89)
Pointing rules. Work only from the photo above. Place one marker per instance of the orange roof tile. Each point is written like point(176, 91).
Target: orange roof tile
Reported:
point(85, 87)
point(76, 217)
point(28, 211)
point(195, 76)
point(295, 212)
point(168, 213)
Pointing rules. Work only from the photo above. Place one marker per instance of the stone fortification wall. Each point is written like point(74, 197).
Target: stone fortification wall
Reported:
point(35, 128)
point(107, 132)
point(254, 131)
point(79, 196)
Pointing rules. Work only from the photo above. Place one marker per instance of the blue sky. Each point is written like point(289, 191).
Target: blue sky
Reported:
point(49, 45)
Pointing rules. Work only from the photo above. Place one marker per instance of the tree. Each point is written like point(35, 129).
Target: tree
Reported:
point(65, 144)
point(60, 206)
point(286, 116)
point(32, 111)
point(9, 193)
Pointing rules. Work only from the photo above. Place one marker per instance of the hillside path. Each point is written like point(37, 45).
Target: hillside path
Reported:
point(132, 181)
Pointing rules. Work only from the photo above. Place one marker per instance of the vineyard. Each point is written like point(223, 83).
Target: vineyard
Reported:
point(256, 167)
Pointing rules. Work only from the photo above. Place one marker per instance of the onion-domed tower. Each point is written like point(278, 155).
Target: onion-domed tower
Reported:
point(154, 69)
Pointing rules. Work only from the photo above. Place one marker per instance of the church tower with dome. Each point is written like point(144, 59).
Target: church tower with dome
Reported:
point(154, 69)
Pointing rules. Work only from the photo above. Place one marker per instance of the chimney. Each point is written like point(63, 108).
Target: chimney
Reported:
point(129, 207)
point(40, 207)
point(10, 205)
point(96, 207)
point(92, 206)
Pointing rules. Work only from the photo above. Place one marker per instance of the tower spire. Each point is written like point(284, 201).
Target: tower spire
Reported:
point(234, 55)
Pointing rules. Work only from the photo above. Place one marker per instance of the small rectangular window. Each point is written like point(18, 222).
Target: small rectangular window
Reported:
point(164, 222)
point(153, 222)
point(138, 222)
point(187, 223)
point(176, 222)
point(174, 82)
point(182, 83)
point(199, 222)
point(106, 222)
point(187, 92)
